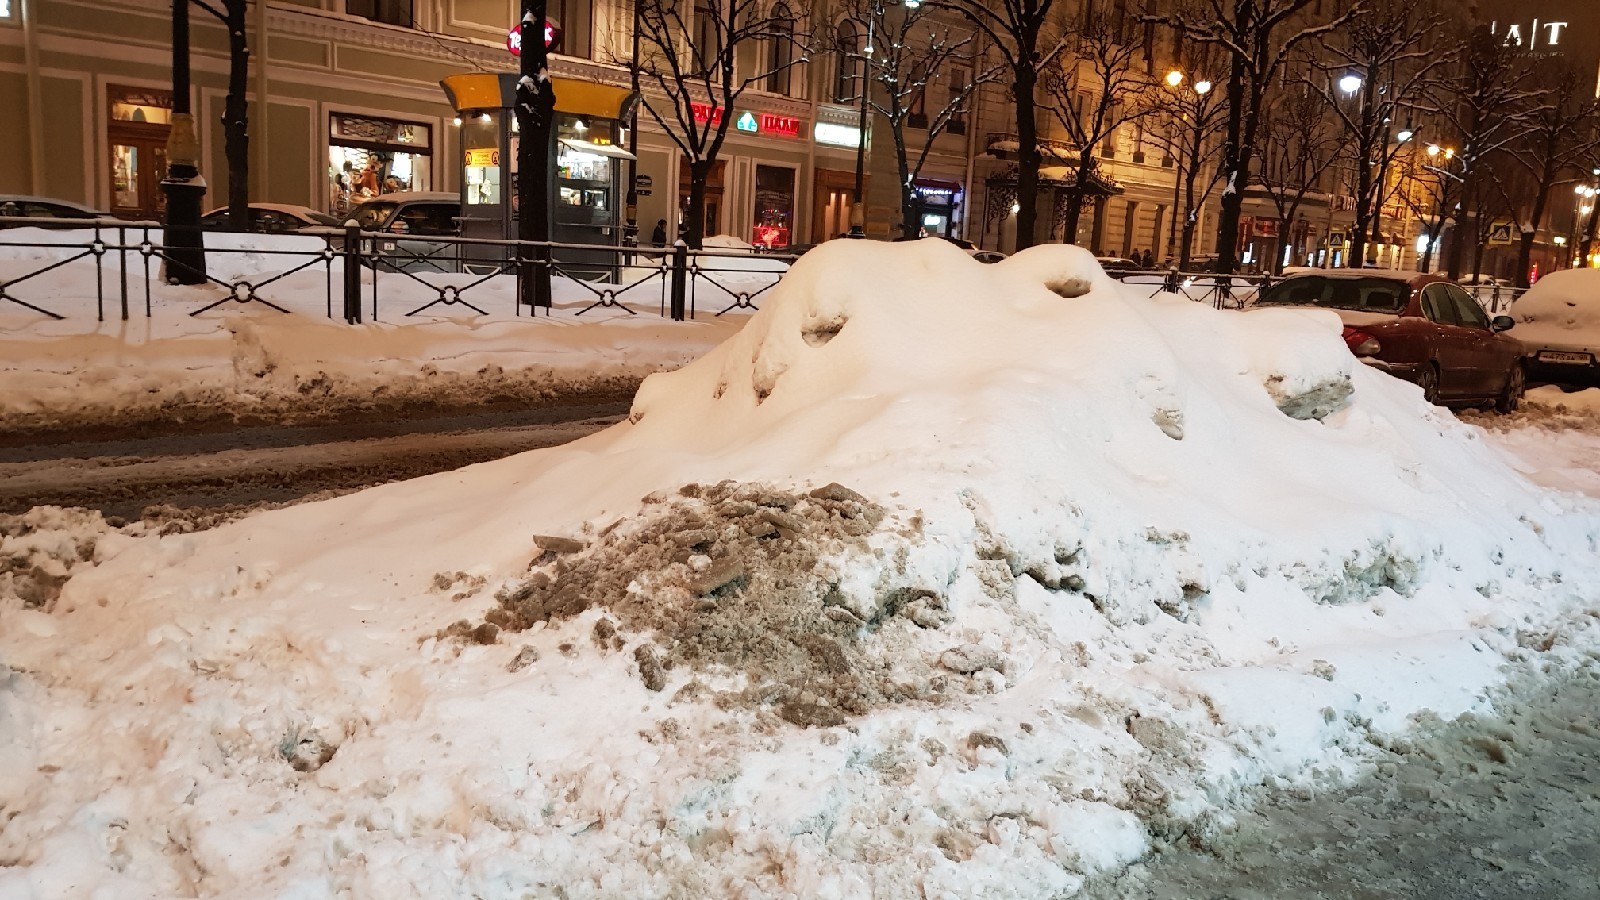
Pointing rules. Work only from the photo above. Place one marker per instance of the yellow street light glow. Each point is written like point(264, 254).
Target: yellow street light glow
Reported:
point(1174, 78)
point(1202, 87)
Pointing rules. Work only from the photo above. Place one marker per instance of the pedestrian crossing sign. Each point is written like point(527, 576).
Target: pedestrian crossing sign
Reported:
point(1500, 234)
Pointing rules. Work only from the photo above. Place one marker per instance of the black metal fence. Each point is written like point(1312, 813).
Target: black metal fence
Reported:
point(366, 273)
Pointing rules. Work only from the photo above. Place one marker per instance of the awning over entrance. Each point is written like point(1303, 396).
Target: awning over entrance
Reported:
point(610, 150)
point(498, 90)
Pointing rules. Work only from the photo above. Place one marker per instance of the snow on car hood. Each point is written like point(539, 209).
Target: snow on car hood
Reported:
point(1562, 308)
point(1097, 581)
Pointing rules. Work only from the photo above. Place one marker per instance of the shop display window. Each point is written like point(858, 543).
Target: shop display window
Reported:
point(368, 156)
point(774, 216)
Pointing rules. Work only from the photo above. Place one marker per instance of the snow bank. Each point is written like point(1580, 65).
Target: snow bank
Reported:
point(948, 580)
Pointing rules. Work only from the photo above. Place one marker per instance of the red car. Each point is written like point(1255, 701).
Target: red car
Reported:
point(1423, 328)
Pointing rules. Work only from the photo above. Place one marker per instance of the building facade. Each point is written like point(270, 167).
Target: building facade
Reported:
point(355, 106)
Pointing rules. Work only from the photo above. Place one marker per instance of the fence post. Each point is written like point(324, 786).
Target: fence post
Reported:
point(1171, 283)
point(680, 278)
point(122, 256)
point(352, 273)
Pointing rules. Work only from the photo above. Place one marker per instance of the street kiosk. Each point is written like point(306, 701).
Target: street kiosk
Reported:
point(587, 174)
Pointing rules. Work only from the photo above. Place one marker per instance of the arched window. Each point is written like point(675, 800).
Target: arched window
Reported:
point(780, 49)
point(847, 45)
point(707, 42)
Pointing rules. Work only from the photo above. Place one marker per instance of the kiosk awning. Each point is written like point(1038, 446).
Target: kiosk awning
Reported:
point(610, 150)
point(498, 90)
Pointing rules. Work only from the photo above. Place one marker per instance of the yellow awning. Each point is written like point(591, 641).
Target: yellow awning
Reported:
point(498, 90)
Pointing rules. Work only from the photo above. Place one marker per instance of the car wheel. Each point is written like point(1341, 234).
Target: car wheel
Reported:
point(1429, 382)
point(1516, 384)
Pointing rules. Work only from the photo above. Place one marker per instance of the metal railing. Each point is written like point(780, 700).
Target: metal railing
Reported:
point(365, 272)
point(1221, 291)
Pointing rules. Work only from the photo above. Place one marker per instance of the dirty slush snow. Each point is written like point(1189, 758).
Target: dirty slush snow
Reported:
point(938, 579)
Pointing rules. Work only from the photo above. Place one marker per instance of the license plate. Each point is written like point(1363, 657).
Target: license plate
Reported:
point(1562, 356)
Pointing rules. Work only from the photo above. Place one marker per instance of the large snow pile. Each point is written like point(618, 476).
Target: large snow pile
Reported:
point(939, 579)
point(296, 358)
point(1561, 308)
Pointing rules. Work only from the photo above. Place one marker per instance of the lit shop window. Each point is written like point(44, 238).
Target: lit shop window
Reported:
point(774, 206)
point(368, 156)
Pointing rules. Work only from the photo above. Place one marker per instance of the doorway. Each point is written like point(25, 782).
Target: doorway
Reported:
point(713, 223)
point(137, 125)
point(835, 191)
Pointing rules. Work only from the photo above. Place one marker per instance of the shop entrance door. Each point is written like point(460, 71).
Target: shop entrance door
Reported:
point(713, 196)
point(136, 131)
point(835, 192)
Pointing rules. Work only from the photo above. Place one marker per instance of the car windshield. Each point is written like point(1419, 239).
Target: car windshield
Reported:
point(1365, 294)
point(322, 218)
point(371, 216)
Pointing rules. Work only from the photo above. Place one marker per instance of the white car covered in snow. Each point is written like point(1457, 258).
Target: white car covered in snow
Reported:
point(1558, 321)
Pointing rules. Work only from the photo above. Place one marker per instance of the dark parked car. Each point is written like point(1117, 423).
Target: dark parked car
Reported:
point(1116, 265)
point(412, 218)
point(273, 218)
point(1422, 328)
point(21, 206)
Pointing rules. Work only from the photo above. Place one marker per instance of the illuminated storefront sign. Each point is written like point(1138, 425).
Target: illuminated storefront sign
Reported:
point(783, 126)
point(746, 122)
point(552, 37)
point(705, 112)
point(1533, 36)
point(837, 135)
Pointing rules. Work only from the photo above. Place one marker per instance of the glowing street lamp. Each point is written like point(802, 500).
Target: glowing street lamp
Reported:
point(1202, 87)
point(1350, 84)
point(1174, 78)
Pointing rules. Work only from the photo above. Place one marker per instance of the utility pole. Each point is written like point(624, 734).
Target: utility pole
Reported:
point(184, 248)
point(858, 209)
point(630, 229)
point(536, 105)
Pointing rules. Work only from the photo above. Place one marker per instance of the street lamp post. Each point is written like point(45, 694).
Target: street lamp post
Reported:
point(1590, 191)
point(184, 250)
point(630, 228)
point(858, 209)
point(1188, 160)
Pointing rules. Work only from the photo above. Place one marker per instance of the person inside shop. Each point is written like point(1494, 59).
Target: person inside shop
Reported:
point(658, 237)
point(369, 180)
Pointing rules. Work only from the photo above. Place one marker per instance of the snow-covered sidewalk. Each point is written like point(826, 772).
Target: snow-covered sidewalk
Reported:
point(936, 580)
point(250, 360)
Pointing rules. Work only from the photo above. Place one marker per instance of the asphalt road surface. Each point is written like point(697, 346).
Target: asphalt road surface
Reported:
point(1499, 807)
point(259, 465)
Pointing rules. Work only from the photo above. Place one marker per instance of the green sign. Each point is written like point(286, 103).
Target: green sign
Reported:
point(746, 122)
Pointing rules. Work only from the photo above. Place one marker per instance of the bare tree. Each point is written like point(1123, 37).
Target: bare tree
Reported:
point(1026, 34)
point(1258, 36)
point(1561, 135)
point(1298, 146)
point(699, 67)
point(1384, 62)
point(1486, 105)
point(1188, 130)
point(235, 109)
point(914, 51)
point(1094, 89)
point(1428, 189)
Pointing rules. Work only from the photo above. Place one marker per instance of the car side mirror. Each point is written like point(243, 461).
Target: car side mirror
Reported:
point(1501, 323)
